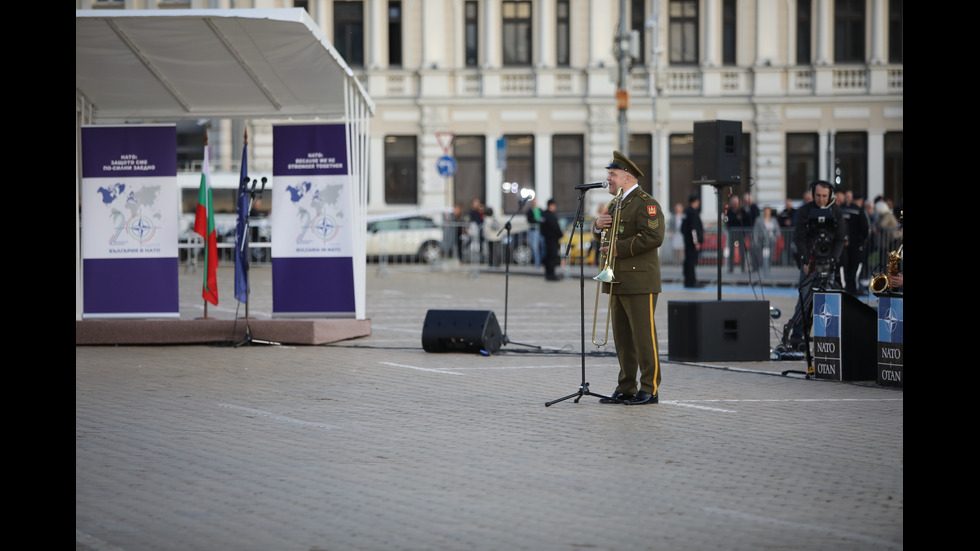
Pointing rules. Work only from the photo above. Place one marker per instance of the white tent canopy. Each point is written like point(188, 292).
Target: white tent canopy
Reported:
point(143, 66)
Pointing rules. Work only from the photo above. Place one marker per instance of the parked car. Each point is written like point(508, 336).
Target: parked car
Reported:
point(413, 238)
point(572, 233)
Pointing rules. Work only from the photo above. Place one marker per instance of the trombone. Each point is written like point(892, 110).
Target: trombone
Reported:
point(607, 241)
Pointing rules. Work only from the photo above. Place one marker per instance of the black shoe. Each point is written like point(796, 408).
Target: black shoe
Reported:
point(616, 398)
point(643, 397)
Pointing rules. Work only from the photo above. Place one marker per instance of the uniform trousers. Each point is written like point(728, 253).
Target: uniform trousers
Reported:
point(635, 332)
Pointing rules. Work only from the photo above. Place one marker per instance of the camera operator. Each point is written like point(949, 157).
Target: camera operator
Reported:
point(819, 239)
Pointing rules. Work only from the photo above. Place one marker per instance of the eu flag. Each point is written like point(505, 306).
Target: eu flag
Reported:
point(241, 232)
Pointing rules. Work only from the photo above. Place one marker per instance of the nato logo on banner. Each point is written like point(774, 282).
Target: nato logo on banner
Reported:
point(891, 346)
point(826, 335)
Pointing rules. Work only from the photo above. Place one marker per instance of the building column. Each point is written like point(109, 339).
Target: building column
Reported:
point(824, 55)
point(711, 32)
point(879, 22)
point(375, 17)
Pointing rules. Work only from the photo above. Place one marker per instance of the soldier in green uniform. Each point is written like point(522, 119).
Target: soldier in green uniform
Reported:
point(636, 284)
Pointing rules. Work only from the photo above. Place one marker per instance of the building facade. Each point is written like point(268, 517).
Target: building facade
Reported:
point(479, 99)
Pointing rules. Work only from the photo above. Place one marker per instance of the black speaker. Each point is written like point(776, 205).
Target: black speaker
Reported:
point(729, 330)
point(718, 152)
point(461, 331)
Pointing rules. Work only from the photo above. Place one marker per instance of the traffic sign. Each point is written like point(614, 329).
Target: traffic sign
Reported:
point(446, 166)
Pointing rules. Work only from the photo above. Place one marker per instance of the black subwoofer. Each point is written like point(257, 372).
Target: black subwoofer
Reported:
point(718, 330)
point(474, 331)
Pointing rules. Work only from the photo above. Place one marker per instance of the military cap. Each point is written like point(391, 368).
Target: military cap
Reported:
point(622, 162)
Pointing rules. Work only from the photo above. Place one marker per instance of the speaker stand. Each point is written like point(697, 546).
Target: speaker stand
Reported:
point(583, 389)
point(507, 252)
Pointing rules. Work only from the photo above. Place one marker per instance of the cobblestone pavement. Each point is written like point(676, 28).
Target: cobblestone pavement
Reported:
point(375, 444)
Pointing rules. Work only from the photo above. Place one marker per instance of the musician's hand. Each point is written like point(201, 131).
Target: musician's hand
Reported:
point(895, 281)
point(603, 221)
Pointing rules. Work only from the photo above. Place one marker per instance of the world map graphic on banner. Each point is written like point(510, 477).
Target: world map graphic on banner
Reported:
point(318, 214)
point(133, 215)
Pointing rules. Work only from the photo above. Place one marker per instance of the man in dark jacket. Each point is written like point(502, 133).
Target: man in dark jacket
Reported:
point(693, 231)
point(551, 232)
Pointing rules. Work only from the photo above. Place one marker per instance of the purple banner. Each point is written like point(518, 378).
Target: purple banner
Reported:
point(130, 221)
point(312, 222)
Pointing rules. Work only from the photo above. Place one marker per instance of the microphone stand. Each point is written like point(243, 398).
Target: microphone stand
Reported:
point(583, 389)
point(251, 199)
point(507, 254)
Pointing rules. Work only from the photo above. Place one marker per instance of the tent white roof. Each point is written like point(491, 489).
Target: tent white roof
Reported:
point(163, 65)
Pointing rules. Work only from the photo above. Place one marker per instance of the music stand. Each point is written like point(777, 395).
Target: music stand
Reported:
point(583, 389)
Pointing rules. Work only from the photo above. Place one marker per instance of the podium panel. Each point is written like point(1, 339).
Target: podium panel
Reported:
point(461, 331)
point(844, 335)
point(891, 344)
point(718, 330)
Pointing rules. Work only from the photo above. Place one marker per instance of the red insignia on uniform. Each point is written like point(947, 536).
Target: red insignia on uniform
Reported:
point(652, 210)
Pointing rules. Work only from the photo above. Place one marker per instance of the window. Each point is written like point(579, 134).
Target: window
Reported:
point(517, 33)
point(638, 23)
point(896, 26)
point(851, 162)
point(728, 29)
point(348, 31)
point(394, 33)
point(563, 34)
point(567, 170)
point(801, 163)
point(470, 181)
point(681, 169)
point(520, 168)
point(401, 170)
point(803, 32)
point(894, 167)
point(471, 25)
point(640, 152)
point(849, 31)
point(683, 32)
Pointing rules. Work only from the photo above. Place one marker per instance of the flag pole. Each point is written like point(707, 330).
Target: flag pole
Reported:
point(205, 249)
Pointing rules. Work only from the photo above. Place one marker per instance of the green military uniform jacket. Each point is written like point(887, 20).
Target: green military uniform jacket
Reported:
point(641, 232)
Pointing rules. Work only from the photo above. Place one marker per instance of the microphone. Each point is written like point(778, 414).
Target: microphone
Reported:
point(264, 179)
point(593, 185)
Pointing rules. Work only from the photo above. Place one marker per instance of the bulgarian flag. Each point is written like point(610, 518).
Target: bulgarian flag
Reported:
point(204, 226)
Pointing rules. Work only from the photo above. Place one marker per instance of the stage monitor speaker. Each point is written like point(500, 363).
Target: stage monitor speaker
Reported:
point(474, 331)
point(716, 330)
point(718, 152)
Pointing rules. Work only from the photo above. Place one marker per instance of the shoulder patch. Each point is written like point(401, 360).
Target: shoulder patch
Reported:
point(653, 224)
point(652, 210)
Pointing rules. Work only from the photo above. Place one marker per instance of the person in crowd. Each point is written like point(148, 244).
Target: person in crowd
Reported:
point(475, 231)
point(636, 286)
point(764, 236)
point(737, 221)
point(693, 232)
point(534, 237)
point(787, 216)
point(552, 234)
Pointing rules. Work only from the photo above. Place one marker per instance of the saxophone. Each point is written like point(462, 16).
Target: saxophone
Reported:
point(879, 283)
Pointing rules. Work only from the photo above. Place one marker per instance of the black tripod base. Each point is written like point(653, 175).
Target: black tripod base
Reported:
point(582, 391)
point(248, 341)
